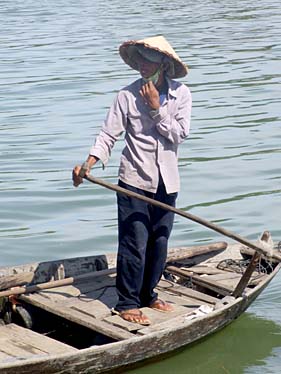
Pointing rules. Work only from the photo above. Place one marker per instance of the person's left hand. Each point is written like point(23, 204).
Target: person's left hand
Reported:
point(150, 95)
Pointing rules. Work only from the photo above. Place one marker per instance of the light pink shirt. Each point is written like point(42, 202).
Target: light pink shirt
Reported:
point(151, 143)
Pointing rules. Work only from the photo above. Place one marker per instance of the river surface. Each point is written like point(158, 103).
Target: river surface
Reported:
point(59, 72)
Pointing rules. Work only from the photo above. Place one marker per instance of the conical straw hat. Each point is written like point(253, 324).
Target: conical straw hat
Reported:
point(157, 47)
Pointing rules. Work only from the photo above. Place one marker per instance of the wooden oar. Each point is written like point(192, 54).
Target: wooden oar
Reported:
point(192, 217)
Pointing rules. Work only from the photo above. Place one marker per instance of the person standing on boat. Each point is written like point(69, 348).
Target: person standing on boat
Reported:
point(154, 112)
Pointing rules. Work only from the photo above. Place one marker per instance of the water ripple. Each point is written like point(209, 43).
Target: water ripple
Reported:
point(60, 71)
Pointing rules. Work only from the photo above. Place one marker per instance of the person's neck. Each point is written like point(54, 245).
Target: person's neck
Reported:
point(162, 85)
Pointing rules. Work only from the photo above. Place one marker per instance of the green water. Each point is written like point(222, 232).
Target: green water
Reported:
point(239, 348)
point(59, 72)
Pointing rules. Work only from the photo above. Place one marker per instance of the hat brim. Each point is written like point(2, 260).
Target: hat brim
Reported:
point(175, 67)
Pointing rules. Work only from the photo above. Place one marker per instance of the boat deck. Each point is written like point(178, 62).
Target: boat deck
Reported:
point(90, 302)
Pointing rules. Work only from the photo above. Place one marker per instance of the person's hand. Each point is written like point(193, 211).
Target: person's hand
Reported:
point(150, 95)
point(75, 176)
point(86, 166)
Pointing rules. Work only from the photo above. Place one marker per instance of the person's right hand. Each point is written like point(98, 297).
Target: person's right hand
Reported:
point(76, 177)
point(150, 95)
point(88, 164)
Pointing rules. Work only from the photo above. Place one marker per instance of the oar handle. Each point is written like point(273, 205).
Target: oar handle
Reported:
point(262, 250)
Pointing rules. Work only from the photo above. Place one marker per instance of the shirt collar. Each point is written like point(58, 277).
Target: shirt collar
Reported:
point(171, 88)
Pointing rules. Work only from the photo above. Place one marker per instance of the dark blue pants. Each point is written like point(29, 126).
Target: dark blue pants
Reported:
point(143, 241)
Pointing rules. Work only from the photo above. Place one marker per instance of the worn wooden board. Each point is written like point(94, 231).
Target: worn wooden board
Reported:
point(120, 322)
point(61, 294)
point(16, 341)
point(77, 314)
point(184, 253)
point(202, 281)
point(188, 292)
point(94, 308)
point(175, 322)
point(4, 357)
point(155, 316)
point(231, 280)
point(205, 270)
point(15, 280)
point(178, 301)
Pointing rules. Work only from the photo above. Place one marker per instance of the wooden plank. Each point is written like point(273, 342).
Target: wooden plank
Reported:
point(19, 338)
point(157, 316)
point(18, 349)
point(154, 315)
point(94, 308)
point(232, 279)
point(120, 322)
point(61, 294)
point(226, 276)
point(228, 282)
point(186, 300)
point(175, 322)
point(79, 316)
point(204, 270)
point(201, 281)
point(189, 292)
point(15, 280)
point(18, 343)
point(180, 303)
point(88, 320)
point(187, 253)
point(4, 357)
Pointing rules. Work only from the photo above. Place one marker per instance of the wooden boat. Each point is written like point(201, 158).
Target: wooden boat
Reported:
point(70, 328)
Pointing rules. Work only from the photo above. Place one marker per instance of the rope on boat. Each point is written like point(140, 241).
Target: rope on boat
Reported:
point(239, 266)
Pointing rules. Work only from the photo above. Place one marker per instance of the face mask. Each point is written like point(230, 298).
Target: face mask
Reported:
point(153, 78)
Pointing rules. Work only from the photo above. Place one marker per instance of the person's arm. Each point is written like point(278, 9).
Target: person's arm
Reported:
point(113, 127)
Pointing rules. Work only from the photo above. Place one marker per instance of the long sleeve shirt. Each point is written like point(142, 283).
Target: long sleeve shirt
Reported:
point(151, 142)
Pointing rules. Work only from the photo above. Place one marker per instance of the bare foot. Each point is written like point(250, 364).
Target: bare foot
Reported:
point(135, 316)
point(162, 306)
